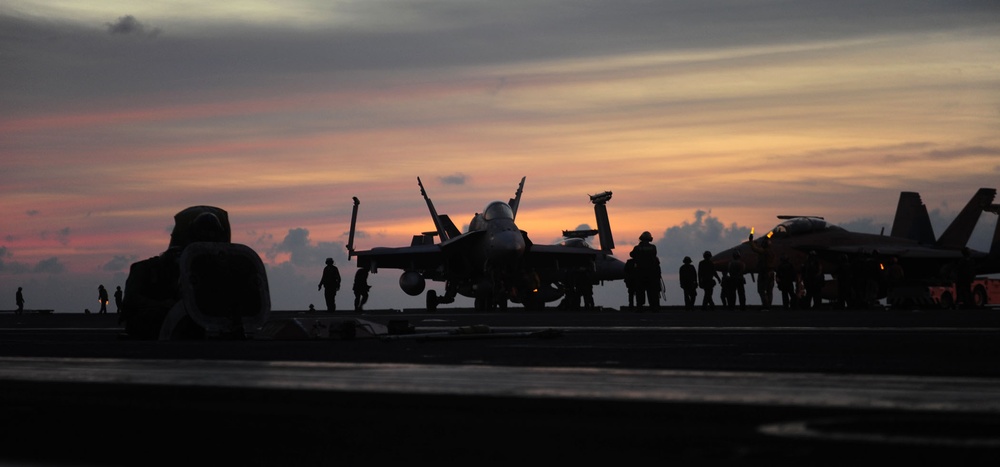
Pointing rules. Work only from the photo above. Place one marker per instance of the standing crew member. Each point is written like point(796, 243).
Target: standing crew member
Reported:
point(786, 277)
point(102, 296)
point(894, 276)
point(19, 299)
point(635, 294)
point(584, 285)
point(689, 282)
point(648, 266)
point(361, 288)
point(118, 299)
point(330, 280)
point(812, 276)
point(739, 292)
point(845, 283)
point(964, 275)
point(707, 277)
point(873, 279)
point(765, 268)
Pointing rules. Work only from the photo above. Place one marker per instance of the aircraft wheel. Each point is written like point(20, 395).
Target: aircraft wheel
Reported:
point(979, 297)
point(432, 300)
point(947, 301)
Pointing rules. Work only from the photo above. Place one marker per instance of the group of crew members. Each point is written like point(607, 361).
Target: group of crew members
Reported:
point(799, 286)
point(330, 284)
point(859, 282)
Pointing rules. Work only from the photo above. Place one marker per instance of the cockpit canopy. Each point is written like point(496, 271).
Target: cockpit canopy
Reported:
point(493, 211)
point(801, 225)
point(498, 210)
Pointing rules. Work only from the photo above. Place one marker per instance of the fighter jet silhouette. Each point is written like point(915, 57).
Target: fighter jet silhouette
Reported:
point(911, 241)
point(494, 261)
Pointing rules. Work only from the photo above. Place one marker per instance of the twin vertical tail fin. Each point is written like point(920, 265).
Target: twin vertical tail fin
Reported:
point(516, 200)
point(957, 234)
point(438, 224)
point(912, 220)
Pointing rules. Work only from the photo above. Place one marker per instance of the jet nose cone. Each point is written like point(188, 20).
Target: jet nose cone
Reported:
point(506, 245)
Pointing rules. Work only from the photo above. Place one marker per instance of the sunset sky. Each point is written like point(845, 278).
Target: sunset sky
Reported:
point(704, 118)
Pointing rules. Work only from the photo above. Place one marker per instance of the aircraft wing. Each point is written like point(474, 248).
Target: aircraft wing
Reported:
point(409, 258)
point(422, 258)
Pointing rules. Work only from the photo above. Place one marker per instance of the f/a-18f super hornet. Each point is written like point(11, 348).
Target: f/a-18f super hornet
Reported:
point(494, 261)
point(924, 258)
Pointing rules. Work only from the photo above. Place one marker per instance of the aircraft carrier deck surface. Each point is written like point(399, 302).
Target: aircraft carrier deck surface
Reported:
point(459, 386)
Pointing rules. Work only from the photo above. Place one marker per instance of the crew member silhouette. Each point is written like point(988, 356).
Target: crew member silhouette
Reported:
point(895, 279)
point(812, 276)
point(786, 277)
point(361, 288)
point(635, 296)
point(765, 271)
point(873, 279)
point(738, 283)
point(728, 292)
point(331, 281)
point(845, 283)
point(102, 296)
point(648, 268)
point(965, 274)
point(584, 285)
point(118, 299)
point(707, 277)
point(689, 282)
point(19, 299)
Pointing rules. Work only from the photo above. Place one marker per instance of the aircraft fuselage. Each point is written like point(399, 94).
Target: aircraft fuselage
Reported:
point(919, 261)
point(502, 245)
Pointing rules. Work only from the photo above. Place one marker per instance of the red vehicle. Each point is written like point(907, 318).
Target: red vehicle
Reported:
point(985, 291)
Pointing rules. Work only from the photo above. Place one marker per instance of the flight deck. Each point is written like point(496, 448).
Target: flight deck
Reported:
point(731, 388)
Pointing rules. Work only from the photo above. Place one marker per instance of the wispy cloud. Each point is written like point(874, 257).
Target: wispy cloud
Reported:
point(454, 179)
point(49, 266)
point(966, 151)
point(128, 25)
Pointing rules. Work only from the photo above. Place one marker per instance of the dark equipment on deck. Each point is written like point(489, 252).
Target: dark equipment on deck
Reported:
point(202, 286)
